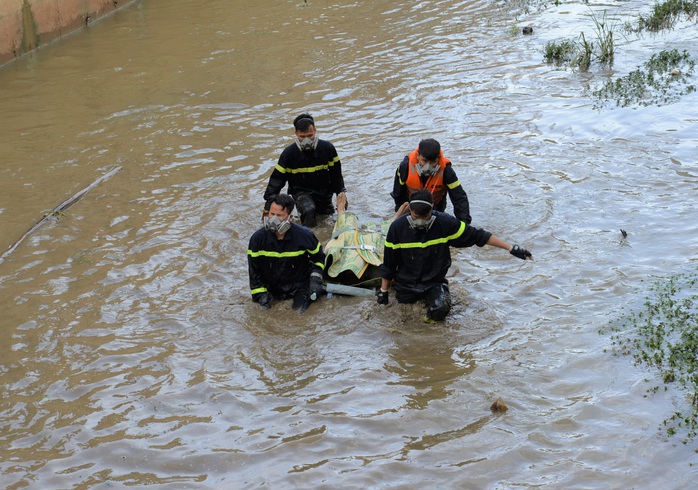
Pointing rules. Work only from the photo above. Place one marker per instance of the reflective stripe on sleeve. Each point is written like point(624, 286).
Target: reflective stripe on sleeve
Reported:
point(307, 170)
point(436, 241)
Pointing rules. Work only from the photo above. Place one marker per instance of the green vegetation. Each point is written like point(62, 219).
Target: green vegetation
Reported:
point(664, 336)
point(665, 15)
point(660, 81)
point(561, 52)
point(604, 34)
point(582, 52)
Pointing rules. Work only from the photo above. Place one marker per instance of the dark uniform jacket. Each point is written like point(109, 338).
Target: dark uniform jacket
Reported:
point(283, 267)
point(318, 172)
point(419, 259)
point(459, 199)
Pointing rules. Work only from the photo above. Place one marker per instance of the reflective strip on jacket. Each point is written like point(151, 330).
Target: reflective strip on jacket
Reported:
point(283, 267)
point(318, 172)
point(418, 259)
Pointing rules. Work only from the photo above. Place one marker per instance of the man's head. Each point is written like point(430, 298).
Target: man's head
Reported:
point(421, 203)
point(303, 121)
point(428, 155)
point(306, 134)
point(430, 149)
point(280, 214)
point(421, 215)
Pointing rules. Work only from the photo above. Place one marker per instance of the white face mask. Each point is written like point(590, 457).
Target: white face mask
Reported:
point(421, 223)
point(426, 170)
point(307, 144)
point(276, 225)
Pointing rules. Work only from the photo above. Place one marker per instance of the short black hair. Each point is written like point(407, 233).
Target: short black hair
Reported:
point(283, 200)
point(430, 149)
point(303, 121)
point(426, 204)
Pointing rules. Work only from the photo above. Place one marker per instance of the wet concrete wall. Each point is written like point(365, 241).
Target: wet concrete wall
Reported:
point(27, 24)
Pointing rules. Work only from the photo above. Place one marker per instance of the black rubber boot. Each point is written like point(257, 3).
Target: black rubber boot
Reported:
point(438, 303)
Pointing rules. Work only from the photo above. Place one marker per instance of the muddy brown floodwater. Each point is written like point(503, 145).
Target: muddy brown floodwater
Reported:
point(132, 354)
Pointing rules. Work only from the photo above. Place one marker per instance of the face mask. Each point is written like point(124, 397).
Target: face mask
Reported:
point(426, 170)
point(421, 223)
point(276, 225)
point(307, 144)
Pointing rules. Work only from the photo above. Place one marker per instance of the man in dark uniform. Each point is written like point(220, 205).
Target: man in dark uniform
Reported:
point(417, 254)
point(312, 169)
point(285, 260)
point(428, 168)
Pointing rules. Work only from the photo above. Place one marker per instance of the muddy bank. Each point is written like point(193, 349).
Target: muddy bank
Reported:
point(25, 25)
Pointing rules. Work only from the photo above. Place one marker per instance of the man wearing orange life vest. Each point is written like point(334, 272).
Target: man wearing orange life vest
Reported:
point(428, 168)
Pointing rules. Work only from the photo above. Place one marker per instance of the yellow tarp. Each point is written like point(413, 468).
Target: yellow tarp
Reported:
point(355, 249)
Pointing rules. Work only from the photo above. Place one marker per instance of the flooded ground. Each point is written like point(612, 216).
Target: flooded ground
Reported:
point(132, 354)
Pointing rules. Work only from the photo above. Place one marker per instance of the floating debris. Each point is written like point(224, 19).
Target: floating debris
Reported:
point(58, 211)
point(527, 30)
point(624, 233)
point(499, 406)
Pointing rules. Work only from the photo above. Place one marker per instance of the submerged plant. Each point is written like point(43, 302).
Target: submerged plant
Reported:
point(665, 15)
point(664, 337)
point(604, 35)
point(560, 52)
point(585, 54)
point(580, 54)
point(660, 81)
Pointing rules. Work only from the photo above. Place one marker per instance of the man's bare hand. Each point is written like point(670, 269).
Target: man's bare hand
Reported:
point(342, 202)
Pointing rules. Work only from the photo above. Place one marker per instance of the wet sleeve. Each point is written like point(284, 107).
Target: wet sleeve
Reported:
point(389, 266)
point(335, 166)
point(457, 195)
point(277, 179)
point(257, 286)
point(316, 255)
point(399, 193)
point(464, 235)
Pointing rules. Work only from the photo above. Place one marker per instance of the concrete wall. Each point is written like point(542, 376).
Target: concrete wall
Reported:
point(27, 24)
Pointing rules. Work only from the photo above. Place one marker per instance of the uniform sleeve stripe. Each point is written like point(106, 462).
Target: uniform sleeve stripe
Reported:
point(307, 170)
point(265, 253)
point(430, 243)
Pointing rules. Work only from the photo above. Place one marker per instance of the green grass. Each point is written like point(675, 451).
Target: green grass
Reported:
point(581, 53)
point(662, 80)
point(560, 52)
point(665, 15)
point(663, 335)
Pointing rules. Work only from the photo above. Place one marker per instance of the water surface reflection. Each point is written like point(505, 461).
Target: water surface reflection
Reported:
point(132, 354)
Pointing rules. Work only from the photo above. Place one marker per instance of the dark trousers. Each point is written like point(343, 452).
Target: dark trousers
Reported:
point(311, 204)
point(437, 298)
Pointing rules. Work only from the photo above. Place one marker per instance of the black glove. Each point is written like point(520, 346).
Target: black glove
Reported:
point(267, 205)
point(520, 253)
point(382, 297)
point(264, 300)
point(316, 287)
point(301, 302)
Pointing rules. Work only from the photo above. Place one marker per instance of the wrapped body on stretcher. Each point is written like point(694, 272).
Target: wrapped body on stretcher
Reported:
point(355, 251)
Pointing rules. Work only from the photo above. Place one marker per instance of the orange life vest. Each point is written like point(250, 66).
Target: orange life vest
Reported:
point(435, 183)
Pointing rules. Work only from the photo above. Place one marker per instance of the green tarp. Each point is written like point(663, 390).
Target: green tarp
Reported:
point(355, 251)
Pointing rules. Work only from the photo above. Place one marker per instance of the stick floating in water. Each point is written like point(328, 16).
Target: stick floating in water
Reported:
point(59, 209)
